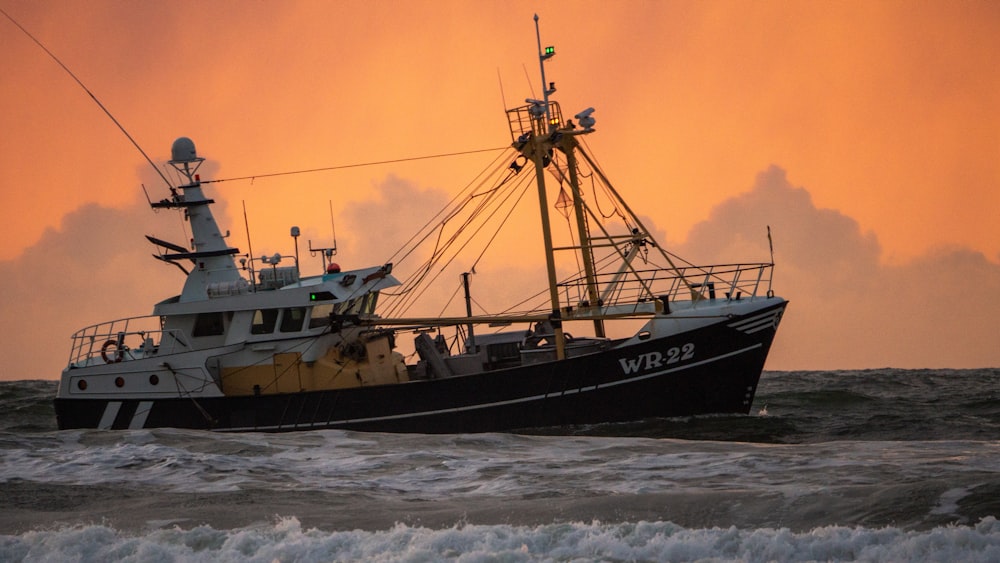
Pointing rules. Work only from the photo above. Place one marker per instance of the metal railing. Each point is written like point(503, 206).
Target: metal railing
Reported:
point(529, 120)
point(721, 281)
point(124, 340)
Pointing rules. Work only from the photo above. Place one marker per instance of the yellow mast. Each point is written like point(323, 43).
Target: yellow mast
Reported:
point(569, 145)
point(542, 145)
point(539, 155)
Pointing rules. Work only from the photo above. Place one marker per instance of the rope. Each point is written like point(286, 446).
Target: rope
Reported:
point(89, 93)
point(358, 165)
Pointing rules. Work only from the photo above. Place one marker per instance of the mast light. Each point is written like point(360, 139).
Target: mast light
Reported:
point(550, 52)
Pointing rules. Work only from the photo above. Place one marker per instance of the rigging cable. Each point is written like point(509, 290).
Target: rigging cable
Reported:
point(438, 255)
point(357, 165)
point(450, 211)
point(593, 187)
point(91, 94)
point(427, 225)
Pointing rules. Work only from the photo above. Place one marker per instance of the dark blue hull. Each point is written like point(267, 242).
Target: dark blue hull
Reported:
point(714, 369)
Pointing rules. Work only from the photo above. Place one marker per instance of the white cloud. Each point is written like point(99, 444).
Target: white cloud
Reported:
point(848, 309)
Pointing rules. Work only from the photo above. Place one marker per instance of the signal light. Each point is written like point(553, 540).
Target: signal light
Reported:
point(321, 296)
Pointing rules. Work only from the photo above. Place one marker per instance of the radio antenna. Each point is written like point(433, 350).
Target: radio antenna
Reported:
point(503, 98)
point(89, 93)
point(333, 226)
point(327, 253)
point(246, 223)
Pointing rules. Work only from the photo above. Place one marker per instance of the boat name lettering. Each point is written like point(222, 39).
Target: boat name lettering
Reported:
point(652, 360)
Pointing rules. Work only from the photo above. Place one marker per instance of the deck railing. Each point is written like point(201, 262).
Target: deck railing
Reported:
point(721, 281)
point(529, 120)
point(123, 340)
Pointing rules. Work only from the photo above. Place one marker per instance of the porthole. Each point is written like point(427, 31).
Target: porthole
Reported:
point(154, 379)
point(119, 382)
point(81, 384)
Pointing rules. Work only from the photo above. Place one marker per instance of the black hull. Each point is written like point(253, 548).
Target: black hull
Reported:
point(714, 369)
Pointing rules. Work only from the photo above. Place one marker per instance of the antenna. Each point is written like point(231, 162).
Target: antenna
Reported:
point(503, 99)
point(328, 252)
point(333, 226)
point(527, 77)
point(770, 243)
point(246, 223)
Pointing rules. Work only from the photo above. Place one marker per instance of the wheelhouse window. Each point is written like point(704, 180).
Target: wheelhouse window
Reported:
point(292, 319)
point(369, 305)
point(209, 324)
point(320, 315)
point(352, 307)
point(264, 321)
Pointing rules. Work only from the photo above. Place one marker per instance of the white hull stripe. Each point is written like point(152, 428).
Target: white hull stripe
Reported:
point(759, 326)
point(498, 403)
point(757, 323)
point(141, 412)
point(109, 416)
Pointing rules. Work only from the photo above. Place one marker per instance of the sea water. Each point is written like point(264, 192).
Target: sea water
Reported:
point(876, 465)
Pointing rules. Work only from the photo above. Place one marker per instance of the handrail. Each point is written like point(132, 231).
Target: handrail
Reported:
point(123, 340)
point(728, 281)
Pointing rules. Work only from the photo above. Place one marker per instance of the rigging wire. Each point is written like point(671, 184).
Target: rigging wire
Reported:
point(89, 93)
point(450, 299)
point(356, 165)
point(593, 187)
point(462, 230)
point(450, 211)
point(468, 187)
point(440, 254)
point(432, 226)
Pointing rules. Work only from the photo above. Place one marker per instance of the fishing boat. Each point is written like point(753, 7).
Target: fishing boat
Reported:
point(254, 344)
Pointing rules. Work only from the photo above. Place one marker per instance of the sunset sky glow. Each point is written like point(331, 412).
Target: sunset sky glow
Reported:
point(866, 134)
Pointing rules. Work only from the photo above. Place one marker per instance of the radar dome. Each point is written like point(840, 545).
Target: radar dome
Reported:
point(183, 150)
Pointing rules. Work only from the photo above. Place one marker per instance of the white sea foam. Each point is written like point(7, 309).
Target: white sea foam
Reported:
point(286, 540)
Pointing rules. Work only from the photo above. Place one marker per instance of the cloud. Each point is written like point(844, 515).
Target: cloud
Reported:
point(378, 227)
point(96, 267)
point(849, 309)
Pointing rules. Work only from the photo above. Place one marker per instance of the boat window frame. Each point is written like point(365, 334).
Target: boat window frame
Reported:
point(371, 299)
point(323, 319)
point(286, 314)
point(209, 323)
point(267, 324)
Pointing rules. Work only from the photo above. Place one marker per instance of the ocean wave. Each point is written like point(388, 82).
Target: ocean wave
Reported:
point(790, 407)
point(285, 539)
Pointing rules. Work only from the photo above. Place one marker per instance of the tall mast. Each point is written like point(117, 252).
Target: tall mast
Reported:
point(539, 154)
point(567, 143)
point(568, 146)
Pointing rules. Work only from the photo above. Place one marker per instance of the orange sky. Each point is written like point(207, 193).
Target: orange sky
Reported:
point(885, 114)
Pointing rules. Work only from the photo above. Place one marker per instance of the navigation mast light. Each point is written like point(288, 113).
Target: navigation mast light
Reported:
point(550, 52)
